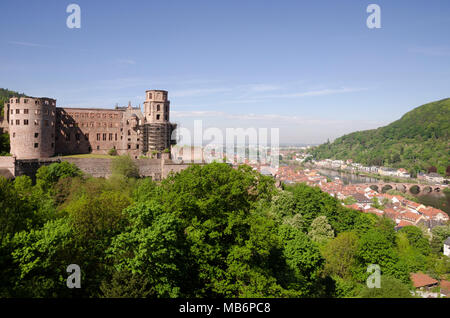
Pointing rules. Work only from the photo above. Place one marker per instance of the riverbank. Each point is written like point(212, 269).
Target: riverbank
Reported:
point(375, 176)
point(438, 200)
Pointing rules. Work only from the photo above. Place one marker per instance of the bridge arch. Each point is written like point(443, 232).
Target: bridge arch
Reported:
point(386, 188)
point(415, 189)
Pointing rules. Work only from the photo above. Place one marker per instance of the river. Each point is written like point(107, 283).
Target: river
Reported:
point(437, 200)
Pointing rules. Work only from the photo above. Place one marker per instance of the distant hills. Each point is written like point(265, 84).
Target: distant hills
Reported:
point(418, 141)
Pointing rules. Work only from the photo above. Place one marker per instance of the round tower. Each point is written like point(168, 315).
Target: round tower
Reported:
point(157, 127)
point(32, 127)
point(156, 106)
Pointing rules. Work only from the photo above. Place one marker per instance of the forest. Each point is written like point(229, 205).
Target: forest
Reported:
point(418, 142)
point(208, 231)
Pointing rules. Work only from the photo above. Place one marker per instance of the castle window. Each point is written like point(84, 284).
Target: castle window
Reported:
point(36, 145)
point(17, 100)
point(25, 121)
point(46, 122)
point(104, 136)
point(37, 112)
point(115, 137)
point(77, 136)
point(137, 146)
point(150, 95)
point(12, 111)
point(14, 135)
point(129, 146)
point(165, 117)
point(36, 122)
point(12, 122)
point(157, 108)
point(68, 137)
point(157, 117)
point(98, 147)
point(25, 111)
point(129, 132)
point(36, 135)
point(25, 101)
point(17, 122)
point(98, 136)
point(17, 111)
point(86, 136)
point(110, 137)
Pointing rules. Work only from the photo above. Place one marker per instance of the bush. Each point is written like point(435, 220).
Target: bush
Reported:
point(112, 152)
point(124, 166)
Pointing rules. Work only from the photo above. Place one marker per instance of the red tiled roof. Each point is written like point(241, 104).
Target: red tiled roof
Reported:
point(422, 280)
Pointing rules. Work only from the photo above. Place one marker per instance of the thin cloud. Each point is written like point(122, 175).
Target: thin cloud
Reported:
point(322, 92)
point(126, 61)
point(29, 44)
point(199, 92)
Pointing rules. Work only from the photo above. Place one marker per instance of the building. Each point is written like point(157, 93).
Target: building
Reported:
point(447, 247)
point(38, 129)
point(422, 281)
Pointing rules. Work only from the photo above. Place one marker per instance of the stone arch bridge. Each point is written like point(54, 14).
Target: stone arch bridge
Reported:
point(405, 187)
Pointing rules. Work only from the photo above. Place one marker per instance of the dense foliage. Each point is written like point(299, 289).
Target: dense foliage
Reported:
point(418, 141)
point(208, 231)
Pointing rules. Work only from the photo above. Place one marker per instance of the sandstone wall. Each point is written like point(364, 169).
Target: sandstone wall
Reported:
point(7, 167)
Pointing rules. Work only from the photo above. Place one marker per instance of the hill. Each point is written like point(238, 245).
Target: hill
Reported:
point(417, 141)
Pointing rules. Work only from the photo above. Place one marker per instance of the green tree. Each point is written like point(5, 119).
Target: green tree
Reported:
point(321, 231)
point(389, 288)
point(340, 254)
point(124, 166)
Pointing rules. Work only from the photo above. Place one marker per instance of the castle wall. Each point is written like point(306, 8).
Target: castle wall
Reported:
point(82, 130)
point(7, 167)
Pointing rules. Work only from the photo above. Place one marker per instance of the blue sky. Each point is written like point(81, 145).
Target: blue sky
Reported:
point(311, 68)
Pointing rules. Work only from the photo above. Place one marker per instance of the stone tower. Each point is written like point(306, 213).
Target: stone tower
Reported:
point(157, 128)
point(32, 127)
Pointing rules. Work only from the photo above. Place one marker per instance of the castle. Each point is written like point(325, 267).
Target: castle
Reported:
point(38, 129)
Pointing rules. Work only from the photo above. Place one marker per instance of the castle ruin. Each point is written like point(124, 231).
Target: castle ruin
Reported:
point(38, 129)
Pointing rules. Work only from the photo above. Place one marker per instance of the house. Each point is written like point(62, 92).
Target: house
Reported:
point(434, 177)
point(447, 247)
point(422, 281)
point(384, 171)
point(361, 198)
point(403, 173)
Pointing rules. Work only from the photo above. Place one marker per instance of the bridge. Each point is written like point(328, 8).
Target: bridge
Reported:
point(412, 188)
